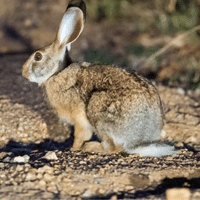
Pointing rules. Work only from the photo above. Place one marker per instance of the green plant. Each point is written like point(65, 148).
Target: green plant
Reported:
point(183, 17)
point(100, 9)
point(99, 56)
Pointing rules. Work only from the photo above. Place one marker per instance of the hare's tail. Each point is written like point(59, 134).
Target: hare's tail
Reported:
point(154, 149)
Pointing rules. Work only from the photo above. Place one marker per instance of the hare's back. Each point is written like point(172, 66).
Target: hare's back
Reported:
point(113, 94)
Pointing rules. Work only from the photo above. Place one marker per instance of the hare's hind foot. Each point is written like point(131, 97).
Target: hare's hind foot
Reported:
point(93, 147)
point(107, 146)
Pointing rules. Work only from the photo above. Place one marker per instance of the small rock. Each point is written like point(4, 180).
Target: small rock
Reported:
point(120, 160)
point(2, 154)
point(28, 23)
point(179, 144)
point(26, 158)
point(82, 162)
point(7, 159)
point(90, 157)
point(51, 155)
point(68, 169)
point(20, 128)
point(3, 129)
point(116, 189)
point(46, 168)
point(47, 195)
point(66, 180)
point(42, 183)
point(169, 158)
point(87, 193)
point(1, 165)
point(52, 188)
point(197, 147)
point(19, 168)
point(196, 194)
point(30, 177)
point(101, 191)
point(181, 91)
point(21, 159)
point(39, 176)
point(178, 193)
point(191, 139)
point(114, 197)
point(102, 171)
point(129, 187)
point(48, 177)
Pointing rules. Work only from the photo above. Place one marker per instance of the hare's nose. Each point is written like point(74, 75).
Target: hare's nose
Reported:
point(25, 71)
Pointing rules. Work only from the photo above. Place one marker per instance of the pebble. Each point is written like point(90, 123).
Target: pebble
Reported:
point(114, 197)
point(48, 177)
point(68, 169)
point(30, 177)
point(7, 159)
point(102, 171)
point(180, 144)
point(101, 191)
point(21, 159)
point(66, 180)
point(87, 193)
point(178, 193)
point(42, 183)
point(2, 154)
point(181, 91)
point(196, 194)
point(191, 139)
point(197, 147)
point(1, 165)
point(51, 155)
point(52, 188)
point(129, 187)
point(46, 168)
point(169, 158)
point(47, 195)
point(19, 168)
point(82, 162)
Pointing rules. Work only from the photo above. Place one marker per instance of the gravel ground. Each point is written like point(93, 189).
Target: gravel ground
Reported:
point(36, 163)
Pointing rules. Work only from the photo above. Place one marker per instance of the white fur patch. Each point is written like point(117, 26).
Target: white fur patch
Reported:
point(154, 150)
point(68, 24)
point(39, 80)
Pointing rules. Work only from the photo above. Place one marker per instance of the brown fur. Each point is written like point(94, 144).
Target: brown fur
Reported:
point(115, 84)
point(84, 95)
point(121, 107)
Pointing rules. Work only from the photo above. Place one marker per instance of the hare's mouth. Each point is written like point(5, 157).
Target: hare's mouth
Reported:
point(39, 77)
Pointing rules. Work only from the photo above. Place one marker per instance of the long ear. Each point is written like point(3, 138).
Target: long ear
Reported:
point(71, 26)
point(80, 4)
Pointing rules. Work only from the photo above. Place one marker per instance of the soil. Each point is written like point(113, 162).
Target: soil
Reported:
point(35, 157)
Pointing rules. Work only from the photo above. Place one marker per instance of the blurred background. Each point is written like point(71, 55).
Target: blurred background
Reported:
point(159, 39)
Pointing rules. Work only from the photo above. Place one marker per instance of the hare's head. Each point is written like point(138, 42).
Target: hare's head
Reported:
point(51, 59)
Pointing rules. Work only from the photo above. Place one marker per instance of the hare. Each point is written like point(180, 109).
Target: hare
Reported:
point(121, 107)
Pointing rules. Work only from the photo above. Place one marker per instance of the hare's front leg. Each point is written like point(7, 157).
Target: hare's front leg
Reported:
point(82, 129)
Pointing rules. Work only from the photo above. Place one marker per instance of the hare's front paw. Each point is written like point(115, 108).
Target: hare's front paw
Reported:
point(95, 147)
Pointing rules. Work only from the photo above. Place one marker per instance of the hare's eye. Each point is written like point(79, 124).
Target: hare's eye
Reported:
point(38, 56)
